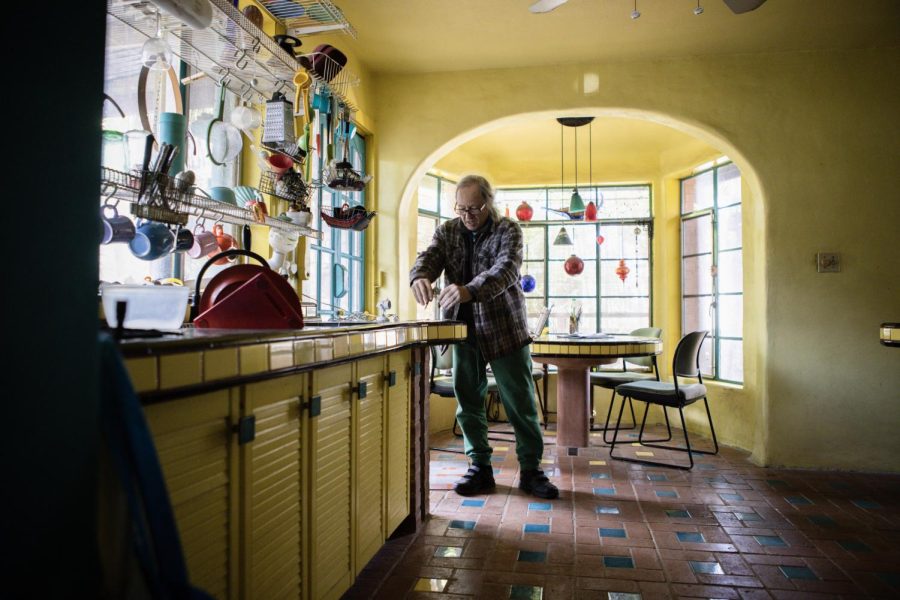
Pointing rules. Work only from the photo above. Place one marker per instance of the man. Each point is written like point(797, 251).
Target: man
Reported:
point(480, 254)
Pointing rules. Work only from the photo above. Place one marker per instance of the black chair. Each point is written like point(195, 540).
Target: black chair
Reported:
point(610, 379)
point(685, 363)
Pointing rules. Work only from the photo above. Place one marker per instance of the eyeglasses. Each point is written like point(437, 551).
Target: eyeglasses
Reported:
point(471, 210)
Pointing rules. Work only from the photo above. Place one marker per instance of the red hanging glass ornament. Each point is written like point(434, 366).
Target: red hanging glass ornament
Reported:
point(600, 240)
point(524, 212)
point(622, 270)
point(573, 265)
point(590, 211)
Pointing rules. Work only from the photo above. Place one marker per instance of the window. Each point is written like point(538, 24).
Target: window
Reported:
point(436, 200)
point(624, 220)
point(335, 273)
point(122, 69)
point(712, 268)
point(608, 303)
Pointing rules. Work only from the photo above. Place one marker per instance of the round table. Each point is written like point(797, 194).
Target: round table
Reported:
point(574, 357)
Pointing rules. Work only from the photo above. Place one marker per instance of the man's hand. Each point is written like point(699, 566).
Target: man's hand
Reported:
point(454, 294)
point(421, 289)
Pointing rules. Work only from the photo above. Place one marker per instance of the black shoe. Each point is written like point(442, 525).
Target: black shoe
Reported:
point(477, 480)
point(536, 483)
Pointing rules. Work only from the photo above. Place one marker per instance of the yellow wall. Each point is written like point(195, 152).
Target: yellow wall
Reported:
point(812, 134)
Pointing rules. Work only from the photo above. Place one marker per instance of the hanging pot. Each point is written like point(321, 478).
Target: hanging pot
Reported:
point(590, 211)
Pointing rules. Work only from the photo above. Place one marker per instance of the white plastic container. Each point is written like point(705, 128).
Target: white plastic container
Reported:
point(149, 306)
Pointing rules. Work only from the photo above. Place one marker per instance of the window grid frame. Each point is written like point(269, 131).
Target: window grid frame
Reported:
point(715, 294)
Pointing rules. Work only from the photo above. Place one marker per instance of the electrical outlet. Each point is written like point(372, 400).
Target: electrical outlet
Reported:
point(828, 262)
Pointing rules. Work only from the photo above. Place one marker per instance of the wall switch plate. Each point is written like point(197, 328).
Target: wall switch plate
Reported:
point(828, 262)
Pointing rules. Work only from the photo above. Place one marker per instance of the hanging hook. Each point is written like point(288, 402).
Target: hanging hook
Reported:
point(224, 78)
point(241, 55)
point(115, 188)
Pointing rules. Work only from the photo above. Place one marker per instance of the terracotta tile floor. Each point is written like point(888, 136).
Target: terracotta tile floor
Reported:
point(726, 529)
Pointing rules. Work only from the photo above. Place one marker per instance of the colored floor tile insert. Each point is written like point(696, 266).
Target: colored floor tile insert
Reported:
point(597, 463)
point(706, 568)
point(430, 585)
point(854, 546)
point(607, 510)
point(623, 596)
point(867, 504)
point(731, 497)
point(475, 503)
point(612, 532)
point(822, 521)
point(666, 494)
point(798, 500)
point(532, 556)
point(797, 572)
point(777, 483)
point(544, 506)
point(678, 514)
point(689, 536)
point(770, 540)
point(536, 528)
point(657, 477)
point(448, 552)
point(705, 466)
point(605, 491)
point(618, 562)
point(455, 524)
point(525, 592)
point(748, 516)
point(601, 476)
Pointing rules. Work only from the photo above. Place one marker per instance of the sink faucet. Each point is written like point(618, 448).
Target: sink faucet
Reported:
point(383, 307)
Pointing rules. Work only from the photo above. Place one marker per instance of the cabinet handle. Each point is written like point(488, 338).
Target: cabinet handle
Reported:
point(245, 429)
point(314, 405)
point(391, 378)
point(361, 390)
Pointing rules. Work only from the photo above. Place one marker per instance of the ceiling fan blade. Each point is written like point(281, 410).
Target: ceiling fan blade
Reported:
point(742, 6)
point(545, 6)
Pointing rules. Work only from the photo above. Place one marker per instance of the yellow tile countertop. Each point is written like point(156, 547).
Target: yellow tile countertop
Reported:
point(197, 357)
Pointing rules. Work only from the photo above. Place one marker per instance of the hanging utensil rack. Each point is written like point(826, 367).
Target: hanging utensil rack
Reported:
point(231, 49)
point(167, 205)
point(236, 52)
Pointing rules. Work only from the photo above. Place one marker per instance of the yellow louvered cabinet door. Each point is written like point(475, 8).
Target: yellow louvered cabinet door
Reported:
point(197, 451)
point(397, 434)
point(330, 549)
point(272, 490)
point(368, 451)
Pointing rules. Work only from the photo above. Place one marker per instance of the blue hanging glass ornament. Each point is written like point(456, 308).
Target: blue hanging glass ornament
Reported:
point(528, 283)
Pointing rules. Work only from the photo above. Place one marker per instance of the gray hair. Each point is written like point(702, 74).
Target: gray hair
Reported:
point(484, 190)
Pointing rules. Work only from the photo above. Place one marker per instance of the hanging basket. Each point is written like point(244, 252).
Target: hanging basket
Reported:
point(355, 218)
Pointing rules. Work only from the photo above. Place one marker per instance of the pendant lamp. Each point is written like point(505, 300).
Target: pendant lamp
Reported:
point(576, 203)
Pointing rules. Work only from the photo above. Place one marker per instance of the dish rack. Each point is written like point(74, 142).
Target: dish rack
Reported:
point(162, 202)
point(293, 189)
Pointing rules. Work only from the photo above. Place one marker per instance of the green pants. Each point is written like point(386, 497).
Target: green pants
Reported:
point(514, 380)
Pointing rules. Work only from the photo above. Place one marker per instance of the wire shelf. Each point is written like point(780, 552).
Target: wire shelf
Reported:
point(331, 74)
point(231, 49)
point(308, 17)
point(165, 204)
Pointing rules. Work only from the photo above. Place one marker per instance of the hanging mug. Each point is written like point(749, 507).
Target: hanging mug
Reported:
point(204, 243)
point(116, 228)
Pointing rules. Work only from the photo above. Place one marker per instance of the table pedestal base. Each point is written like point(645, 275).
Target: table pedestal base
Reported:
point(573, 398)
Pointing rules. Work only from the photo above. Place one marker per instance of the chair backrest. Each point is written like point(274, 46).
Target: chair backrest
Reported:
point(645, 361)
point(686, 362)
point(441, 362)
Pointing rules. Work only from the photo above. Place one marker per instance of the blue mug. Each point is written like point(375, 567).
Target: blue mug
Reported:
point(152, 240)
point(223, 194)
